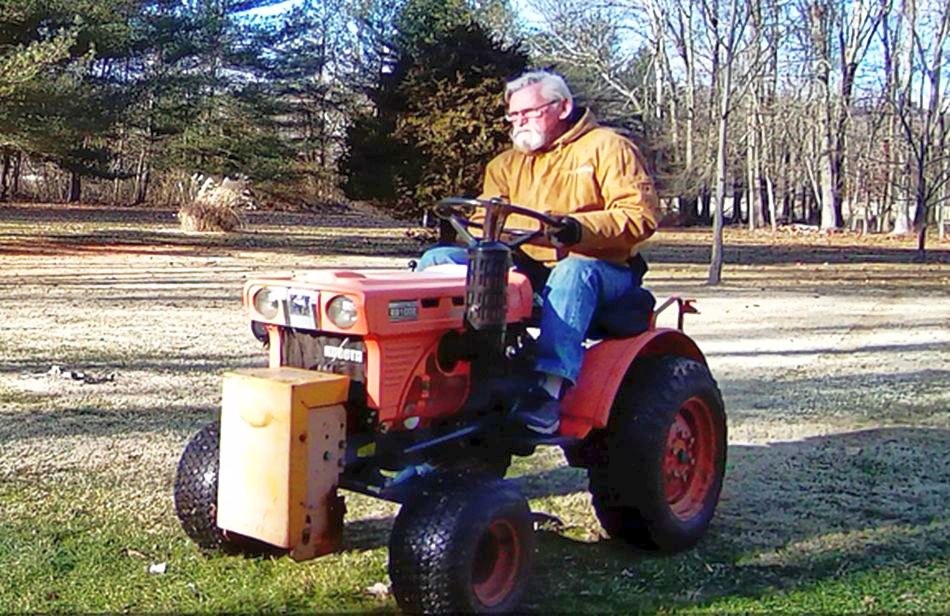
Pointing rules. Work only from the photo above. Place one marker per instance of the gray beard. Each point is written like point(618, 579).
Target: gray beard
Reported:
point(527, 140)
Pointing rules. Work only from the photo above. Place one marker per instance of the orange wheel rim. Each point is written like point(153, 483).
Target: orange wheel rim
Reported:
point(497, 561)
point(689, 462)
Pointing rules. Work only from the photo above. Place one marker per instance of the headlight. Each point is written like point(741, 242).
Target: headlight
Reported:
point(267, 302)
point(342, 311)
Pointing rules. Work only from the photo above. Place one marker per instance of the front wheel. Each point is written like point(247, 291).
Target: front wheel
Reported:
point(462, 549)
point(657, 478)
point(196, 498)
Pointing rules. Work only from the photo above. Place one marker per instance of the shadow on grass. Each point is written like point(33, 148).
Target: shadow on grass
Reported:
point(95, 421)
point(792, 515)
point(150, 242)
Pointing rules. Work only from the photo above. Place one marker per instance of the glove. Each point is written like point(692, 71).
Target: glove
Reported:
point(566, 235)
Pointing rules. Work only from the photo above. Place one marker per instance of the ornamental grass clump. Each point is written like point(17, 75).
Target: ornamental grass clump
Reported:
point(215, 207)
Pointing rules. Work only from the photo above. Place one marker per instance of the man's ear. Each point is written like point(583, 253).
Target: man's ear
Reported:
point(566, 110)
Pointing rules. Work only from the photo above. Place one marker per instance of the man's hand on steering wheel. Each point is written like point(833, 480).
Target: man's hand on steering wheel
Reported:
point(567, 233)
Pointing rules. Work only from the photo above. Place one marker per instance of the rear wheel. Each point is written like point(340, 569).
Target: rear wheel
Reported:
point(656, 481)
point(462, 549)
point(196, 498)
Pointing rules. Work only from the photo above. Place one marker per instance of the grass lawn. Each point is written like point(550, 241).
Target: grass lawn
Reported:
point(833, 355)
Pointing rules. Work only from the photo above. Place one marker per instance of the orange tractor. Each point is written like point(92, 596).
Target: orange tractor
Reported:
point(398, 385)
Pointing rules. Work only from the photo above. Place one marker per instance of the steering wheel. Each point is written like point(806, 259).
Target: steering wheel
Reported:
point(458, 210)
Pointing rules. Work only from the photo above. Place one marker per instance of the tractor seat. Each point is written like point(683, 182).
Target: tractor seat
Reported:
point(628, 316)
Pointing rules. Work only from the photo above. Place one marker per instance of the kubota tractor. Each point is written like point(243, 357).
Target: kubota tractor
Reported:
point(398, 385)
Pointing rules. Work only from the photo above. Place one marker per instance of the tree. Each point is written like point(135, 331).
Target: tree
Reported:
point(311, 69)
point(73, 111)
point(840, 33)
point(922, 111)
point(734, 18)
point(436, 118)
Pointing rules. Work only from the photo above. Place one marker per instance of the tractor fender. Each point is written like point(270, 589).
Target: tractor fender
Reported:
point(587, 405)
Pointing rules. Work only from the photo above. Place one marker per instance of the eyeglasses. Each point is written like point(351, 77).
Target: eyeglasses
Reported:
point(529, 114)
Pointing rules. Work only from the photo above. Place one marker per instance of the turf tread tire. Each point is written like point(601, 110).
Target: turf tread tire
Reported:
point(626, 477)
point(434, 539)
point(196, 498)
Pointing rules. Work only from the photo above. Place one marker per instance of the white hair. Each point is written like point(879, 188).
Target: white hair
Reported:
point(553, 87)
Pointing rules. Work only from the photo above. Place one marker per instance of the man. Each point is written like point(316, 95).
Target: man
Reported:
point(595, 180)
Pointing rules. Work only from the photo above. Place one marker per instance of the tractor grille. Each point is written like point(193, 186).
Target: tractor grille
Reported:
point(335, 354)
point(338, 355)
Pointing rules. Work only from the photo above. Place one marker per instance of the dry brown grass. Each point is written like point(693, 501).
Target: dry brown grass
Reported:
point(216, 207)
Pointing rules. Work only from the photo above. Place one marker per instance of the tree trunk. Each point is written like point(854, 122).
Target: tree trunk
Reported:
point(737, 194)
point(920, 198)
point(705, 203)
point(811, 209)
point(773, 215)
point(750, 164)
point(141, 178)
point(17, 166)
point(725, 89)
point(829, 208)
point(141, 194)
point(819, 20)
point(75, 188)
point(690, 104)
point(4, 185)
point(689, 207)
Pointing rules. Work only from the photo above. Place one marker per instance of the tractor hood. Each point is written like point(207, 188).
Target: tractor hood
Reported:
point(373, 301)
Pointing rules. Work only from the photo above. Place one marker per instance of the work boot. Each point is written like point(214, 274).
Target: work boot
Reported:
point(538, 411)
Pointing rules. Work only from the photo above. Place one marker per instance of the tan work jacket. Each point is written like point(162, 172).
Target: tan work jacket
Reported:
point(591, 173)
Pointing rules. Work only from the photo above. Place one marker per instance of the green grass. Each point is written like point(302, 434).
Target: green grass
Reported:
point(84, 543)
point(74, 547)
point(834, 501)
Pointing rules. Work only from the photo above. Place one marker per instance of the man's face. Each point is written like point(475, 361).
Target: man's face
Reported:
point(535, 120)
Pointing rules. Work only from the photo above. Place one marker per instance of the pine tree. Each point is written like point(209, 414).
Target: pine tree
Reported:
point(437, 110)
point(63, 108)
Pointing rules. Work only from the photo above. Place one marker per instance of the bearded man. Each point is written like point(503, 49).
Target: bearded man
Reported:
point(595, 181)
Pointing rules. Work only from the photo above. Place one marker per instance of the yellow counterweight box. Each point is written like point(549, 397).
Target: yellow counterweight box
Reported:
point(283, 434)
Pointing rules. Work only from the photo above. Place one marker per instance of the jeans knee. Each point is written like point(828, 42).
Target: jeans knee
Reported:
point(442, 255)
point(572, 271)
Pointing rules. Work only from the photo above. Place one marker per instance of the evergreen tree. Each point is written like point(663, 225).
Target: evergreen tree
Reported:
point(61, 108)
point(308, 81)
point(233, 128)
point(437, 111)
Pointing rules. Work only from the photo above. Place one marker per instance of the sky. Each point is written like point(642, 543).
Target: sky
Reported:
point(275, 9)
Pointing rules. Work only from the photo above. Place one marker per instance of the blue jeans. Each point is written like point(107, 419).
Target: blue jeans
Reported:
point(580, 293)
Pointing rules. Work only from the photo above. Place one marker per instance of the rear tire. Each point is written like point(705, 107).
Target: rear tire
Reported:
point(196, 498)
point(462, 549)
point(656, 479)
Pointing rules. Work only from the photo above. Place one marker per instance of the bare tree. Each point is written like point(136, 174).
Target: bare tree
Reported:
point(922, 111)
point(839, 34)
point(590, 39)
point(727, 27)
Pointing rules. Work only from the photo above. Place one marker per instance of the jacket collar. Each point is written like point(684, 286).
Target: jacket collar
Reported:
point(581, 127)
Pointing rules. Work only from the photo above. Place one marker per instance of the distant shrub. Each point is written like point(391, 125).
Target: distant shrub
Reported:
point(213, 206)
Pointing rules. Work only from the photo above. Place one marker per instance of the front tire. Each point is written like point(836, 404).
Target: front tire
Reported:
point(656, 480)
point(462, 549)
point(196, 498)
